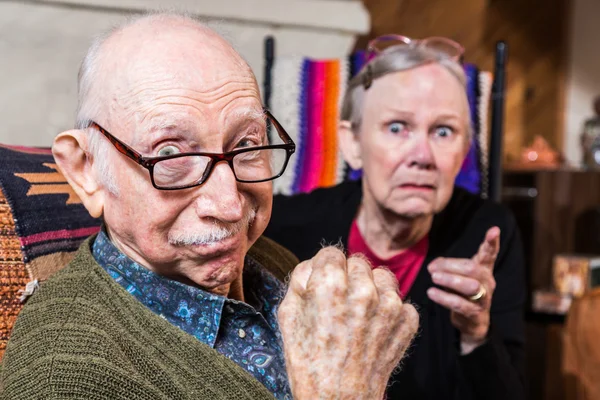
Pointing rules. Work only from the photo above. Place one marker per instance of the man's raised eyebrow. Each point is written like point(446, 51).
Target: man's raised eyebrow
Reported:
point(161, 125)
point(158, 129)
point(249, 114)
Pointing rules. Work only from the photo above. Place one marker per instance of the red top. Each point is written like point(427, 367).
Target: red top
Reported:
point(405, 265)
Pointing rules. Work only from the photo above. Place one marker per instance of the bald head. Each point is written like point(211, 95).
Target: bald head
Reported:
point(155, 44)
point(146, 54)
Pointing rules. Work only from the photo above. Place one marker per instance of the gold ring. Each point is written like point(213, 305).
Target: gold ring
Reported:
point(479, 295)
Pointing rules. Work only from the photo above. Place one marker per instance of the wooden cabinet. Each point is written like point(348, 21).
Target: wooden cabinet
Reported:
point(557, 212)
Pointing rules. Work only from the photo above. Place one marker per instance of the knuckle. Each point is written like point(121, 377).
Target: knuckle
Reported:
point(299, 276)
point(333, 283)
point(385, 279)
point(360, 268)
point(469, 267)
point(390, 304)
point(411, 317)
point(359, 260)
point(471, 312)
point(303, 267)
point(472, 286)
point(457, 281)
point(364, 294)
point(332, 253)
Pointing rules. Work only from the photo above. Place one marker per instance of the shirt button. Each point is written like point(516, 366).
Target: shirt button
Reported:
point(241, 333)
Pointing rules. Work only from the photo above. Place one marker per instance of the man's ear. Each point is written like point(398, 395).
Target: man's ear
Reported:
point(350, 145)
point(70, 150)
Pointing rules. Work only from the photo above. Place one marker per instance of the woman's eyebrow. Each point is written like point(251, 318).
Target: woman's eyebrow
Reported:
point(449, 116)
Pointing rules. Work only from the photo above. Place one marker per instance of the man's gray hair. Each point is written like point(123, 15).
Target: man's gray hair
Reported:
point(396, 59)
point(89, 102)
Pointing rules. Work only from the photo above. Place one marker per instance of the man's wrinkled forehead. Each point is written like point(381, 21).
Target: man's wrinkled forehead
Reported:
point(183, 54)
point(193, 131)
point(178, 65)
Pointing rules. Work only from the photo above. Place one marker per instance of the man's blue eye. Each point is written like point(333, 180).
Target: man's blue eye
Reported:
point(168, 151)
point(248, 142)
point(245, 143)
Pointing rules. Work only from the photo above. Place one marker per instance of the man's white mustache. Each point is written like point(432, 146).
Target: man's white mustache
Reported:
point(219, 231)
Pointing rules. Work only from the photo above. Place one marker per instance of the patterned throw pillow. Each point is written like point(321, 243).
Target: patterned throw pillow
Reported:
point(42, 223)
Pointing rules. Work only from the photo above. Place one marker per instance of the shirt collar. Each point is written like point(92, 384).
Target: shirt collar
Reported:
point(199, 310)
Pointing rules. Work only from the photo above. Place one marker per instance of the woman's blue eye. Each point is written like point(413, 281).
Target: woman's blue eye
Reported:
point(444, 132)
point(397, 127)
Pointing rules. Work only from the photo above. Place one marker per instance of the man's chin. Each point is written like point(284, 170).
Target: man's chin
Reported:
point(216, 274)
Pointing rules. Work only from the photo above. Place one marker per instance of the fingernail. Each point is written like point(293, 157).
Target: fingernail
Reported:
point(435, 276)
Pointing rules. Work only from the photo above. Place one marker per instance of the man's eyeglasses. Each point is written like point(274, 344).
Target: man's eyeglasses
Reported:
point(439, 44)
point(186, 170)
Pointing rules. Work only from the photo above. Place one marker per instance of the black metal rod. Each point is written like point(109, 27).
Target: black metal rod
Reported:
point(497, 133)
point(269, 59)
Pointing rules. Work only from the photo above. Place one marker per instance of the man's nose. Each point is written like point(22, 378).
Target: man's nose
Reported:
point(219, 196)
point(421, 154)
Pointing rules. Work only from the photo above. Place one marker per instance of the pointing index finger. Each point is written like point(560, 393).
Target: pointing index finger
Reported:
point(489, 248)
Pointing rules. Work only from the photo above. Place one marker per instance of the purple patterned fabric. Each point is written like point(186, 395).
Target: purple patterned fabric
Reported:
point(469, 177)
point(303, 132)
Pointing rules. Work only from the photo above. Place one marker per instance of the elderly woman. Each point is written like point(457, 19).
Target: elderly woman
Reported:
point(457, 258)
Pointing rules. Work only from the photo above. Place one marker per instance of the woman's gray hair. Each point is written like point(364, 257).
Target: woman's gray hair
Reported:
point(394, 59)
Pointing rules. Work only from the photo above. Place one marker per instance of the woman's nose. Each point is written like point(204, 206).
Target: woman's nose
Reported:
point(421, 154)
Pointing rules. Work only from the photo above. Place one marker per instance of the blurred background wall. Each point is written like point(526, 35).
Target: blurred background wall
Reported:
point(42, 43)
point(552, 71)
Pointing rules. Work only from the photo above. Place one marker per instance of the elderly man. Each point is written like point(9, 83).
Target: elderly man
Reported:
point(178, 296)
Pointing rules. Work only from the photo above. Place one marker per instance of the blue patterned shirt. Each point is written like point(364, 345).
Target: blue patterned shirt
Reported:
point(247, 334)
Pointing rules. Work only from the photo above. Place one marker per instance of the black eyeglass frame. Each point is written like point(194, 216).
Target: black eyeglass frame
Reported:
point(215, 158)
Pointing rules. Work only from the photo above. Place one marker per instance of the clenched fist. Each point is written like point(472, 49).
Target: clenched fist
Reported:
point(344, 328)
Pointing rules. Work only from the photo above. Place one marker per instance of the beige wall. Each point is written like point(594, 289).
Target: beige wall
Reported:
point(42, 43)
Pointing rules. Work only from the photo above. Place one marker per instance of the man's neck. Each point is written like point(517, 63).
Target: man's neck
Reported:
point(388, 234)
point(236, 290)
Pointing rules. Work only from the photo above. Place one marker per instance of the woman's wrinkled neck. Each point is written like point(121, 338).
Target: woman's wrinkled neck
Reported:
point(388, 234)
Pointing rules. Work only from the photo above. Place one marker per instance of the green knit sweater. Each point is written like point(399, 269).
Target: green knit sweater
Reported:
point(82, 336)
